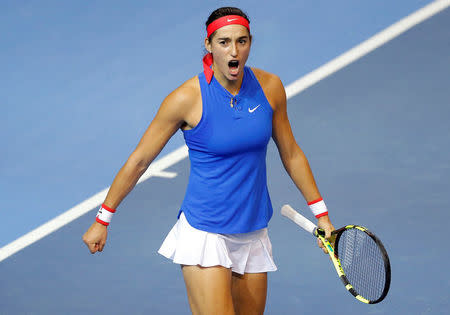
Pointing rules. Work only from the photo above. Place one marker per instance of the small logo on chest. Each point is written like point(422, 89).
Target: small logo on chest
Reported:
point(253, 109)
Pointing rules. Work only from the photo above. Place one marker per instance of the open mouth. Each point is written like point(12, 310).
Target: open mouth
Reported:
point(234, 66)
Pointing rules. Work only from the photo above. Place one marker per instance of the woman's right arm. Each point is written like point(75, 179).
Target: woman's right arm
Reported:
point(174, 111)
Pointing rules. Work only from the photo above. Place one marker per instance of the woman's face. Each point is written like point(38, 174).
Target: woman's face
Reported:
point(230, 47)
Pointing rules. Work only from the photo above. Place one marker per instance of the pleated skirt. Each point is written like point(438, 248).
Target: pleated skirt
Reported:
point(243, 253)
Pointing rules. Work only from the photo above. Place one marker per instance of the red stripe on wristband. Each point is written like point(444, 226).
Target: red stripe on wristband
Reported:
point(108, 208)
point(101, 222)
point(314, 201)
point(322, 214)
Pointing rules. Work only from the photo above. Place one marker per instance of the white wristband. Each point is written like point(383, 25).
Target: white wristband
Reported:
point(104, 215)
point(318, 207)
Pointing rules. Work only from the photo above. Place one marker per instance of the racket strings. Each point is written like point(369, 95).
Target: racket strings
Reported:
point(362, 262)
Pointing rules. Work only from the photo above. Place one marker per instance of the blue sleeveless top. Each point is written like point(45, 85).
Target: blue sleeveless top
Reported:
point(227, 190)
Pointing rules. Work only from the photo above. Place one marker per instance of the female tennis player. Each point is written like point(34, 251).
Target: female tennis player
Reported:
point(227, 115)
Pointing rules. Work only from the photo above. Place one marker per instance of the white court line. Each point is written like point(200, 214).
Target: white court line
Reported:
point(366, 47)
point(157, 168)
point(163, 174)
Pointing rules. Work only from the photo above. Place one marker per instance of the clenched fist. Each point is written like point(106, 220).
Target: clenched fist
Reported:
point(95, 237)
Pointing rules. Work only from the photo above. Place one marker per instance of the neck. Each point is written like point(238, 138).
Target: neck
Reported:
point(232, 86)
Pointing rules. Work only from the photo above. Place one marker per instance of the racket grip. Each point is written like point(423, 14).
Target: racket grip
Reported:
point(300, 220)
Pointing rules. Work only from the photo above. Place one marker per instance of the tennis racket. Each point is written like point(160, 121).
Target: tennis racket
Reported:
point(360, 259)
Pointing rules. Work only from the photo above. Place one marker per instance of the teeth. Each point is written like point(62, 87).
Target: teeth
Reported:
point(233, 63)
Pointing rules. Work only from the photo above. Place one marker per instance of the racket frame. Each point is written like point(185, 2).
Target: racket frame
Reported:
point(320, 234)
point(307, 225)
point(384, 254)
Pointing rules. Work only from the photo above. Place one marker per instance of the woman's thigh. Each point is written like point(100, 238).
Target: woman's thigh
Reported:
point(209, 289)
point(249, 293)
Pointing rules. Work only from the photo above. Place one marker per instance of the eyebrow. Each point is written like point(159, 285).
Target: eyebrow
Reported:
point(225, 38)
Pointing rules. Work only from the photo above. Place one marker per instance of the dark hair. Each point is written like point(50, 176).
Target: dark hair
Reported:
point(224, 11)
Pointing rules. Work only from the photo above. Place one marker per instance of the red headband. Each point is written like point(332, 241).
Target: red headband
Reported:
point(226, 20)
point(214, 26)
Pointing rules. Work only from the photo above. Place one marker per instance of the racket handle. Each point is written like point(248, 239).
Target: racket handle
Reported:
point(300, 220)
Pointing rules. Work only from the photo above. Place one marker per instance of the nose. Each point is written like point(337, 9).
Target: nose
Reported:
point(234, 50)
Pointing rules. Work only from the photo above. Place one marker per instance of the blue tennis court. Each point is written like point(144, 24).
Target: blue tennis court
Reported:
point(375, 132)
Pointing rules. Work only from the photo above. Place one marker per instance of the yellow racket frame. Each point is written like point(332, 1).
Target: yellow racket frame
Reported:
point(320, 234)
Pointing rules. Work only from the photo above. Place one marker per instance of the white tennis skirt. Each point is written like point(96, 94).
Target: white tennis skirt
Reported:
point(243, 253)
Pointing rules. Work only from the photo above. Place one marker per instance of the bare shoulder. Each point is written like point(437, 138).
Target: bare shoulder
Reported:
point(183, 106)
point(272, 86)
point(181, 101)
point(187, 93)
point(267, 79)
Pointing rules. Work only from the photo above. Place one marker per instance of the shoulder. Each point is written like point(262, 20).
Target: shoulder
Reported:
point(272, 86)
point(268, 80)
point(180, 100)
point(188, 92)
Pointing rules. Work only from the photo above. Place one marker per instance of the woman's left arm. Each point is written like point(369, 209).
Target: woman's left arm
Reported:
point(292, 156)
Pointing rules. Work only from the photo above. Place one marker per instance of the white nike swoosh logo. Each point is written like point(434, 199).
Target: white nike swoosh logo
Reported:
point(231, 20)
point(252, 110)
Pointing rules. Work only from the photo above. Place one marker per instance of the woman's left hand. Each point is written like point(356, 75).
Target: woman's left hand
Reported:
point(325, 224)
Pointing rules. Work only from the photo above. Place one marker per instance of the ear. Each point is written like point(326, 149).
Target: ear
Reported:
point(207, 44)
